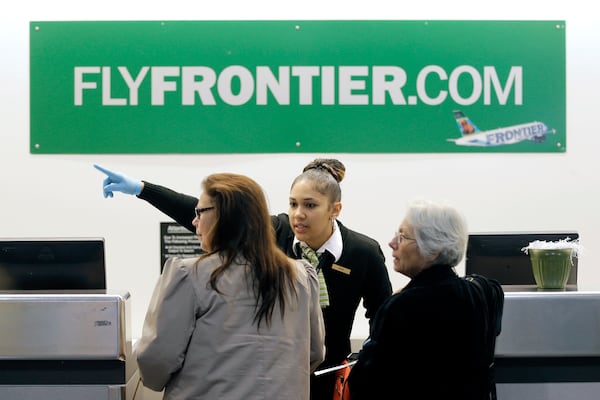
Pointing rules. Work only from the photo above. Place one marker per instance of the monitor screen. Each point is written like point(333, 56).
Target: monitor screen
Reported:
point(499, 256)
point(52, 264)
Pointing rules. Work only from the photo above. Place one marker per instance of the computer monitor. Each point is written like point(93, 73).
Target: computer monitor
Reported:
point(52, 264)
point(499, 256)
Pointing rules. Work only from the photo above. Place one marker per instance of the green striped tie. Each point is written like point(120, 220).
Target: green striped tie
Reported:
point(311, 256)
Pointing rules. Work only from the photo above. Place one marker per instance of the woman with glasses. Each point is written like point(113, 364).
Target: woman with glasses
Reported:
point(435, 338)
point(351, 265)
point(241, 321)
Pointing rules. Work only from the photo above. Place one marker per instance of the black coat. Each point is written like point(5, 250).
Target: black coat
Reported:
point(432, 340)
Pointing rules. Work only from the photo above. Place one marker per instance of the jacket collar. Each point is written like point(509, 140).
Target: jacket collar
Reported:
point(433, 274)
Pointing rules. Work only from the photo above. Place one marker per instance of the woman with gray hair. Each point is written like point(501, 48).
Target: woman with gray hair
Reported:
point(435, 338)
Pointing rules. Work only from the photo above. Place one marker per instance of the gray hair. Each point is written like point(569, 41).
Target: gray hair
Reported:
point(438, 229)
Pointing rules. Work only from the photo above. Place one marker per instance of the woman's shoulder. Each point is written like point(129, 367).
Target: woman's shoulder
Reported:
point(191, 265)
point(280, 220)
point(351, 234)
point(306, 275)
point(359, 242)
point(409, 302)
point(303, 268)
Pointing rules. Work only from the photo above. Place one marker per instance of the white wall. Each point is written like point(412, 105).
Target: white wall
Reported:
point(60, 195)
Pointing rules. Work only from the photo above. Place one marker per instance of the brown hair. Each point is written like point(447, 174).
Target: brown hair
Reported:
point(326, 175)
point(243, 229)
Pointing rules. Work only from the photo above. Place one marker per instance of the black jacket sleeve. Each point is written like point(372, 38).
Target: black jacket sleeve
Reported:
point(378, 287)
point(176, 205)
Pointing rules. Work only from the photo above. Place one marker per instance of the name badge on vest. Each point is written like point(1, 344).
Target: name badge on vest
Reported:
point(341, 269)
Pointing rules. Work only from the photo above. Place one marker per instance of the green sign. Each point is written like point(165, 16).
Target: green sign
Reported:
point(306, 86)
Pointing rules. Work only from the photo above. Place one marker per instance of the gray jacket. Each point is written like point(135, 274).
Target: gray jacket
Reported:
point(199, 344)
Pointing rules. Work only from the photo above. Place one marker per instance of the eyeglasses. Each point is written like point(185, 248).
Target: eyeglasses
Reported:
point(399, 236)
point(199, 211)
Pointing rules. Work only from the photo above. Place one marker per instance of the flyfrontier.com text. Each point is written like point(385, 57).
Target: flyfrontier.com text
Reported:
point(237, 85)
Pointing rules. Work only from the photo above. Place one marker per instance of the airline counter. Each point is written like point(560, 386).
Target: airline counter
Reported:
point(63, 346)
point(549, 347)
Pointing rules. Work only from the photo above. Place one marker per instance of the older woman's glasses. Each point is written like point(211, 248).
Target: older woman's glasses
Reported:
point(200, 211)
point(400, 237)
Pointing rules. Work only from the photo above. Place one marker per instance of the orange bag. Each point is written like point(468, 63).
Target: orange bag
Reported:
point(341, 391)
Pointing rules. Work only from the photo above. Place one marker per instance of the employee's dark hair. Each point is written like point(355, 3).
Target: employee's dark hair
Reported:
point(243, 229)
point(326, 175)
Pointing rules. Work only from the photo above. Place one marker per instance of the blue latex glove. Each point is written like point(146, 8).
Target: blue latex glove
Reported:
point(117, 182)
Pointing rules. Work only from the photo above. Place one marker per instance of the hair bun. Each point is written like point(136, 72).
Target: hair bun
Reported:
point(330, 165)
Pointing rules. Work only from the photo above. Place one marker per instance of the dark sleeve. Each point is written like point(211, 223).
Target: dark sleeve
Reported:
point(368, 376)
point(178, 206)
point(377, 284)
point(283, 233)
